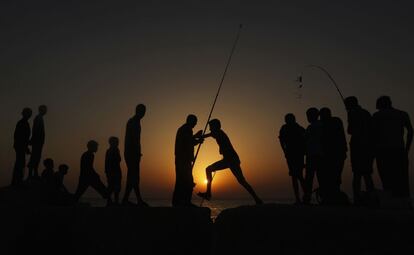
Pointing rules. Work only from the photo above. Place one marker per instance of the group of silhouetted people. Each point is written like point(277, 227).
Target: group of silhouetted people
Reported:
point(184, 160)
point(52, 181)
point(88, 177)
point(24, 138)
point(321, 150)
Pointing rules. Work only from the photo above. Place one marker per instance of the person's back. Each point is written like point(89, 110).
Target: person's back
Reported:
point(293, 138)
point(313, 137)
point(112, 160)
point(87, 169)
point(184, 145)
point(132, 138)
point(225, 146)
point(333, 138)
point(360, 125)
point(88, 176)
point(22, 134)
point(113, 170)
point(132, 155)
point(361, 145)
point(38, 135)
point(389, 125)
point(391, 149)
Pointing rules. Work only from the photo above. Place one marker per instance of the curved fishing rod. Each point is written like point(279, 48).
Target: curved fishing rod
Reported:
point(327, 74)
point(218, 93)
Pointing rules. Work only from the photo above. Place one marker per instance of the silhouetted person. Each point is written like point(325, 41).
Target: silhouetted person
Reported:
point(362, 149)
point(314, 152)
point(58, 178)
point(230, 160)
point(21, 146)
point(184, 158)
point(88, 176)
point(113, 169)
point(133, 154)
point(48, 173)
point(292, 140)
point(335, 149)
point(37, 141)
point(61, 196)
point(391, 150)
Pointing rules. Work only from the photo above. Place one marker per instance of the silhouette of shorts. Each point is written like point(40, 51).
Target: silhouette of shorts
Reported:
point(232, 164)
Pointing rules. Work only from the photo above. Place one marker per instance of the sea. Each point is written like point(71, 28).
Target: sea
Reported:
point(216, 206)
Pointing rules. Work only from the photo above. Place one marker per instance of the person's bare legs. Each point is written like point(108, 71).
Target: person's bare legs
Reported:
point(236, 170)
point(219, 165)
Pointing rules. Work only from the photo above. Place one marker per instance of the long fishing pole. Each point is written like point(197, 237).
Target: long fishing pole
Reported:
point(217, 94)
point(329, 76)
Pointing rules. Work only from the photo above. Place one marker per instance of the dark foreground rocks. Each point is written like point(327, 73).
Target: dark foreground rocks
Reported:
point(28, 225)
point(115, 230)
point(288, 230)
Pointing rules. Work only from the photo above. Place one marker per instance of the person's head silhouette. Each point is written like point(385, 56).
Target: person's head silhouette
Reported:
point(191, 120)
point(215, 125)
point(92, 146)
point(140, 111)
point(43, 110)
point(290, 119)
point(27, 113)
point(48, 163)
point(312, 114)
point(325, 114)
point(113, 141)
point(351, 103)
point(384, 102)
point(63, 169)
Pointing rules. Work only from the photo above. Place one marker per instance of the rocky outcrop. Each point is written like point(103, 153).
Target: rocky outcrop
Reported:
point(278, 229)
point(114, 230)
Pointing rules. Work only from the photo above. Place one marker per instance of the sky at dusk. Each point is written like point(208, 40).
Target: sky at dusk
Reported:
point(92, 62)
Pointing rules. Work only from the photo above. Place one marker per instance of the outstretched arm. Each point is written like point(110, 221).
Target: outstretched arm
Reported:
point(207, 136)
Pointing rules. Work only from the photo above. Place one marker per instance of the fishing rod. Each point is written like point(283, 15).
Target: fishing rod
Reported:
point(217, 94)
point(327, 74)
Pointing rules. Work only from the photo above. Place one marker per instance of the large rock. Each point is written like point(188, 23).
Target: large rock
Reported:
point(114, 230)
point(277, 229)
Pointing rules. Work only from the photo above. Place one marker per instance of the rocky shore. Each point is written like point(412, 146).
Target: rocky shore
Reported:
point(267, 229)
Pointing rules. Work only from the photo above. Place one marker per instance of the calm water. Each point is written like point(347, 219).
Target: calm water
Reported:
point(216, 206)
